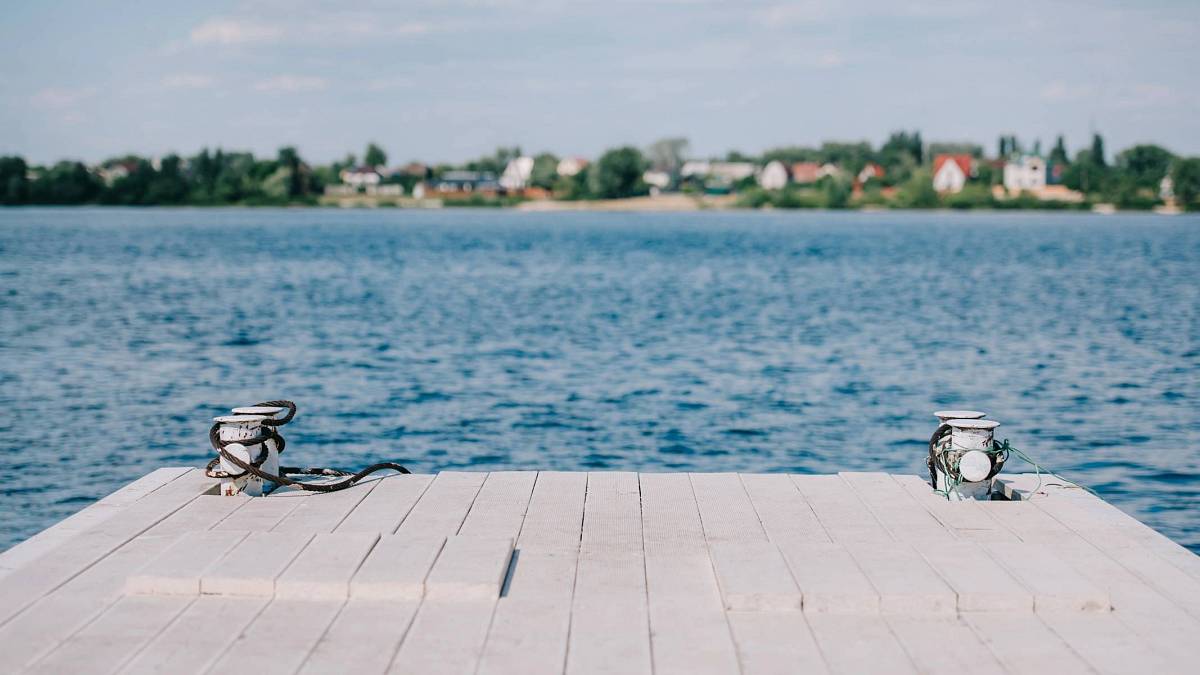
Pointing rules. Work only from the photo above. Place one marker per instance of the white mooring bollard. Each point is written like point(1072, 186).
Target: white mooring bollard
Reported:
point(967, 453)
point(241, 426)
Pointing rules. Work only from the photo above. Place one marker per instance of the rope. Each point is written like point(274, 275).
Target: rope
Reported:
point(999, 453)
point(269, 433)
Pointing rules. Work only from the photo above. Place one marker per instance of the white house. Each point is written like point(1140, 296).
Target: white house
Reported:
point(774, 176)
point(657, 179)
point(950, 172)
point(516, 174)
point(1027, 172)
point(571, 166)
point(360, 176)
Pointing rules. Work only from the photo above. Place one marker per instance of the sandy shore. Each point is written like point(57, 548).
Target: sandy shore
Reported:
point(671, 202)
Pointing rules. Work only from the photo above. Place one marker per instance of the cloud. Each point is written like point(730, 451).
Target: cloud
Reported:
point(292, 83)
point(188, 81)
point(235, 32)
point(61, 97)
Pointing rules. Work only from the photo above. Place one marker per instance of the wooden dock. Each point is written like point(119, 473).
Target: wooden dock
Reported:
point(626, 573)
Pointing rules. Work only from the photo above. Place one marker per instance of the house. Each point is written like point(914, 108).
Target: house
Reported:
point(950, 172)
point(1025, 173)
point(467, 181)
point(660, 180)
point(829, 169)
point(871, 170)
point(516, 174)
point(804, 173)
point(1166, 188)
point(571, 166)
point(360, 176)
point(414, 169)
point(774, 176)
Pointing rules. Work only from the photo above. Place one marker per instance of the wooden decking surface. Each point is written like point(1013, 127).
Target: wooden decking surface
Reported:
point(528, 572)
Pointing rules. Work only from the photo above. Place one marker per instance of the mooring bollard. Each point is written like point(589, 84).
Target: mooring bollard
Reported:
point(962, 455)
point(244, 436)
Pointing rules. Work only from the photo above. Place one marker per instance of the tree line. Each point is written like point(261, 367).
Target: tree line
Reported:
point(1131, 180)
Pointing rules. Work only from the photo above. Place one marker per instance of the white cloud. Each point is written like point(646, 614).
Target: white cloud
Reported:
point(235, 31)
point(188, 81)
point(292, 83)
point(61, 97)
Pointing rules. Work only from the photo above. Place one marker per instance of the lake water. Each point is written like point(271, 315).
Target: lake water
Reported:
point(805, 342)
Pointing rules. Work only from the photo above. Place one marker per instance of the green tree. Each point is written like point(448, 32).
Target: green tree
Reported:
point(1186, 177)
point(618, 174)
point(374, 156)
point(1097, 156)
point(918, 192)
point(1143, 166)
point(65, 183)
point(14, 183)
point(1058, 154)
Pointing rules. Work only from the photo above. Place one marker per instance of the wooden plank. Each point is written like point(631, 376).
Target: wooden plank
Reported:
point(775, 643)
point(363, 638)
point(753, 576)
point(610, 630)
point(1161, 575)
point(251, 567)
point(1054, 584)
point(106, 643)
point(387, 505)
point(323, 569)
point(830, 579)
point(26, 585)
point(396, 568)
point(858, 644)
point(843, 515)
point(178, 569)
point(529, 630)
point(895, 509)
point(906, 583)
point(725, 508)
point(280, 638)
point(449, 631)
point(782, 510)
point(943, 645)
point(554, 521)
point(260, 514)
point(443, 506)
point(469, 568)
point(1027, 521)
point(322, 512)
point(966, 520)
point(198, 637)
point(499, 508)
point(56, 616)
point(1024, 645)
point(980, 583)
point(679, 576)
point(1107, 645)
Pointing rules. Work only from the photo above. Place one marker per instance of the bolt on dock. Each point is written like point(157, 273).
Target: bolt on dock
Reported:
point(580, 573)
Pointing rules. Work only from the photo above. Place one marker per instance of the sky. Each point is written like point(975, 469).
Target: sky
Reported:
point(449, 81)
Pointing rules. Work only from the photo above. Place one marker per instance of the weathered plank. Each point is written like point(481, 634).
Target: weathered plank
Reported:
point(980, 583)
point(387, 505)
point(843, 515)
point(965, 520)
point(1054, 584)
point(529, 630)
point(363, 638)
point(396, 568)
point(754, 576)
point(725, 508)
point(469, 568)
point(679, 575)
point(895, 509)
point(252, 566)
point(499, 508)
point(858, 644)
point(105, 644)
point(322, 512)
point(610, 630)
point(323, 569)
point(782, 510)
point(830, 579)
point(1024, 645)
point(178, 569)
point(775, 643)
point(906, 583)
point(443, 506)
point(196, 639)
point(280, 638)
point(942, 645)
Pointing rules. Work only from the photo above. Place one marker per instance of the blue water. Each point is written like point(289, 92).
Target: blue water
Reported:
point(807, 342)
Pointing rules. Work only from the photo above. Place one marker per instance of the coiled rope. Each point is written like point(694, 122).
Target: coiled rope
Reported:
point(268, 433)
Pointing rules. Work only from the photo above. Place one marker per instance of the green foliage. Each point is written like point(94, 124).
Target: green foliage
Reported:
point(65, 183)
point(1058, 154)
point(618, 174)
point(1186, 176)
point(496, 162)
point(918, 192)
point(14, 185)
point(955, 148)
point(972, 196)
point(1143, 166)
point(667, 154)
point(792, 154)
point(374, 156)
